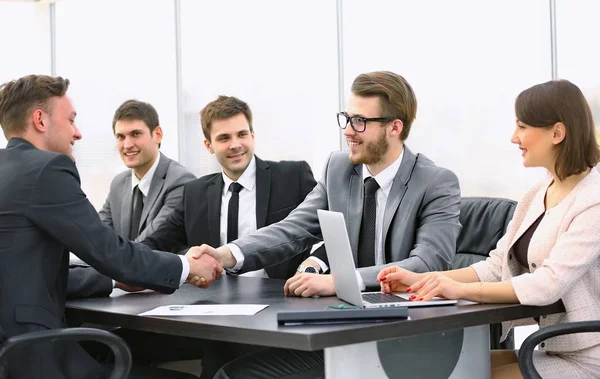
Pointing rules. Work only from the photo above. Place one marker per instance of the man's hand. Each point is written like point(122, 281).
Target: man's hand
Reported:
point(128, 288)
point(221, 254)
point(204, 269)
point(307, 285)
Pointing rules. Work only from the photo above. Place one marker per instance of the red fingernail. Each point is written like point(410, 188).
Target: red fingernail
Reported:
point(383, 279)
point(421, 299)
point(412, 297)
point(408, 290)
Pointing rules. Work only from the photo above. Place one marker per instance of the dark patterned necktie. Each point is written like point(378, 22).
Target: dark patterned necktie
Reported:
point(137, 206)
point(366, 244)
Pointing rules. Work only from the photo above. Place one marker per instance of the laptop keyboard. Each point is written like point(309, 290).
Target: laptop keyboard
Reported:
point(376, 298)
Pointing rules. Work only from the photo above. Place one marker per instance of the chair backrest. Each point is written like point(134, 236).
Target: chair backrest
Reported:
point(484, 221)
point(120, 349)
point(3, 367)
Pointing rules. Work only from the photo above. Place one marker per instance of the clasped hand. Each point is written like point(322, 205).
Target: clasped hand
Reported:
point(205, 265)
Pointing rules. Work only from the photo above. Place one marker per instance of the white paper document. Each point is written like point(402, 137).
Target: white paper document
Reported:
point(206, 310)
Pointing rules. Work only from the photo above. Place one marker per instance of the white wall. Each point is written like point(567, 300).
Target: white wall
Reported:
point(112, 51)
point(466, 65)
point(467, 61)
point(278, 56)
point(24, 42)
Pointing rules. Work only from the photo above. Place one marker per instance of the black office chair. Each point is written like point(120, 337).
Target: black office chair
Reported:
point(484, 221)
point(120, 349)
point(526, 350)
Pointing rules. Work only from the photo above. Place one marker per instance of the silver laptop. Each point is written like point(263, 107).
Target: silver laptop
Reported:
point(341, 262)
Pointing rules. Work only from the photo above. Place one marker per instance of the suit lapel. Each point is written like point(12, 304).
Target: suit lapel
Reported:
point(126, 201)
point(399, 186)
point(214, 193)
point(263, 191)
point(536, 208)
point(158, 181)
point(354, 212)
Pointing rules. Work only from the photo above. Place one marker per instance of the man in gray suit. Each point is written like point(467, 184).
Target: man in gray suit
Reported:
point(400, 209)
point(140, 198)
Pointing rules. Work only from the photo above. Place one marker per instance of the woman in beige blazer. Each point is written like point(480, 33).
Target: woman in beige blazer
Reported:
point(551, 249)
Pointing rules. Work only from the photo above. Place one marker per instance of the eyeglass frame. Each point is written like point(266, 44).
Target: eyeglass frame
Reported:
point(365, 120)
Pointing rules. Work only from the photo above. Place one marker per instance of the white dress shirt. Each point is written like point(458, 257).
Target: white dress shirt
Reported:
point(146, 180)
point(247, 208)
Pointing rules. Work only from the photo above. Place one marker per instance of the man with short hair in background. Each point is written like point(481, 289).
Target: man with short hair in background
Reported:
point(140, 198)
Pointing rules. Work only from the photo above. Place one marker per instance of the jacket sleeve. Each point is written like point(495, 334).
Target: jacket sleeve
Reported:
point(87, 282)
point(59, 207)
point(288, 238)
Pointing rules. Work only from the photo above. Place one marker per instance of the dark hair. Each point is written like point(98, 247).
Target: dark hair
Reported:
point(396, 96)
point(543, 105)
point(137, 110)
point(21, 96)
point(221, 109)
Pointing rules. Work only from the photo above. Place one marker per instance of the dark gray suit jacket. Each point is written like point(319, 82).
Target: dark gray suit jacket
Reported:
point(420, 225)
point(44, 215)
point(166, 192)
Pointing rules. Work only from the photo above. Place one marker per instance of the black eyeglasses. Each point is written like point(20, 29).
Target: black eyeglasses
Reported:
point(358, 123)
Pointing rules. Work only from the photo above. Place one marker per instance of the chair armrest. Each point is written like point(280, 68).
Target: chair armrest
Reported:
point(117, 345)
point(526, 350)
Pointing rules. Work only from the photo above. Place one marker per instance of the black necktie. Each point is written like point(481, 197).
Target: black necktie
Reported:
point(366, 244)
point(232, 211)
point(137, 205)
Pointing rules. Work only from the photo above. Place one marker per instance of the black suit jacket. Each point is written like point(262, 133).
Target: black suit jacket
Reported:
point(280, 187)
point(44, 215)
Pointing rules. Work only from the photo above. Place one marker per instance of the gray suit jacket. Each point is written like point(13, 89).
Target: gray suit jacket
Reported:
point(420, 224)
point(166, 192)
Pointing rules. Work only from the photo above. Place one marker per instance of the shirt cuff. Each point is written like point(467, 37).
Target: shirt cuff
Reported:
point(321, 264)
point(114, 283)
point(238, 255)
point(361, 282)
point(185, 269)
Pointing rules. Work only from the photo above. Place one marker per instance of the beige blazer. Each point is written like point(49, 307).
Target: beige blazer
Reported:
point(563, 258)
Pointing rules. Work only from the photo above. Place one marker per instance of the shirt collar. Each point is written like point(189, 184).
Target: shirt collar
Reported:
point(247, 179)
point(145, 182)
point(386, 177)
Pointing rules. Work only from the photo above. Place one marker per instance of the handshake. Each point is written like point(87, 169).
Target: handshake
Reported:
point(207, 263)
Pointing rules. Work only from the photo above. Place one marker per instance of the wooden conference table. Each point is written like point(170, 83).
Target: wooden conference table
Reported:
point(432, 343)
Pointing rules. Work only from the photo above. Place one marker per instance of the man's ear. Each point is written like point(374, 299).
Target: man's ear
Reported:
point(39, 120)
point(208, 146)
point(397, 127)
point(559, 133)
point(157, 134)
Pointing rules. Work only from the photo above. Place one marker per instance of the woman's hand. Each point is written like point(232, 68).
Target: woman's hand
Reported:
point(436, 284)
point(397, 279)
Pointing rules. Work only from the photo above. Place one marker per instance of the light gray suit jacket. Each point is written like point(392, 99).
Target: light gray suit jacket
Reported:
point(420, 225)
point(166, 192)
